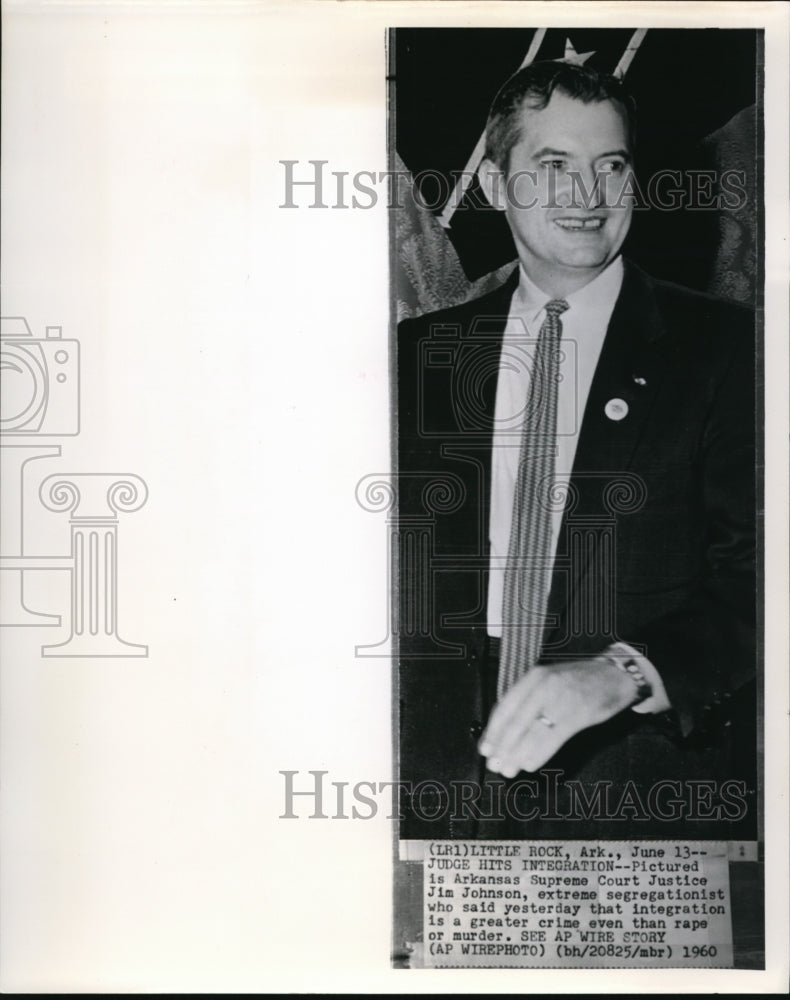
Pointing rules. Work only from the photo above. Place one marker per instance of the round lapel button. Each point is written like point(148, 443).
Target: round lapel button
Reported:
point(616, 409)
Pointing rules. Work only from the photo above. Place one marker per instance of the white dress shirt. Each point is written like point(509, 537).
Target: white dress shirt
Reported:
point(584, 326)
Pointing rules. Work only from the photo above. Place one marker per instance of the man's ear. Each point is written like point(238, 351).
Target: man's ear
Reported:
point(493, 182)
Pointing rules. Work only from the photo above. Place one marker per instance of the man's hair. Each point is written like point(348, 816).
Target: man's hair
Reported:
point(533, 86)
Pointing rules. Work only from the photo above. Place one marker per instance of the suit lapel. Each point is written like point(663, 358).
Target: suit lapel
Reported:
point(630, 371)
point(490, 318)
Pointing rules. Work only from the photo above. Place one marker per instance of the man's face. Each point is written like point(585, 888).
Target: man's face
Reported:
point(571, 229)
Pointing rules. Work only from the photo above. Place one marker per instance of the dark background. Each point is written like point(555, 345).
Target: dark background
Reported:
point(687, 83)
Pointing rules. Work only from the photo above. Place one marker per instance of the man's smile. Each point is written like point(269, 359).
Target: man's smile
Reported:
point(577, 224)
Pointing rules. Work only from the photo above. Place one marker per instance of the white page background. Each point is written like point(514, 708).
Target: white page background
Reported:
point(234, 355)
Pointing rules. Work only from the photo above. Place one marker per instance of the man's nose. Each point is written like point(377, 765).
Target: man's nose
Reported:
point(591, 192)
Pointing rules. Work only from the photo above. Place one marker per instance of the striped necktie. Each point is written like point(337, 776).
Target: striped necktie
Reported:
point(525, 592)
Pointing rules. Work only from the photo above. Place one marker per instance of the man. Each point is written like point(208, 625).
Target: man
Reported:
point(576, 513)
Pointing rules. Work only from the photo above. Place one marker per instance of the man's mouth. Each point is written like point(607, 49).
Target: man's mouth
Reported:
point(576, 225)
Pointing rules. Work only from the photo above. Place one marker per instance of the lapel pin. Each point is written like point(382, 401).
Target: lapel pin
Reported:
point(616, 409)
point(639, 380)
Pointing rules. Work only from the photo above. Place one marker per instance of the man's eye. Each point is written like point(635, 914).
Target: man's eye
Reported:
point(553, 164)
point(612, 167)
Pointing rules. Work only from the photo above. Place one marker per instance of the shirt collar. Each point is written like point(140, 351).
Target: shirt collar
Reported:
point(595, 299)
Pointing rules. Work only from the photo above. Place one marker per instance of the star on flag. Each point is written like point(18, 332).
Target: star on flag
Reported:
point(572, 56)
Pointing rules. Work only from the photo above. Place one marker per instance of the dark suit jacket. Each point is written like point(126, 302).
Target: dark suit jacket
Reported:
point(657, 549)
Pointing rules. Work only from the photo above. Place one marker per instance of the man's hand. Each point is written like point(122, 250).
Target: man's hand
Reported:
point(547, 707)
